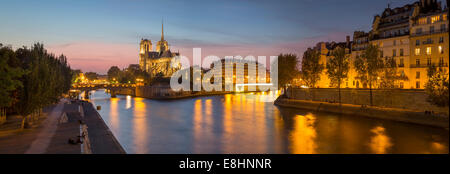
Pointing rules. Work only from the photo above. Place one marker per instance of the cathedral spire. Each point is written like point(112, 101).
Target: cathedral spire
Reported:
point(162, 30)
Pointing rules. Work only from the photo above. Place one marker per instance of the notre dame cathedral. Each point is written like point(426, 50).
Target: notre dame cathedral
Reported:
point(158, 61)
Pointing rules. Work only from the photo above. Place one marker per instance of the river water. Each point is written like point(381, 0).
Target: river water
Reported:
point(247, 123)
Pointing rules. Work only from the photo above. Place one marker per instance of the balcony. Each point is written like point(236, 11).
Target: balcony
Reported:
point(427, 65)
point(423, 33)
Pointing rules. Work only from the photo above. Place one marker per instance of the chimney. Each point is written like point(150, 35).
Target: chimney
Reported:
point(348, 40)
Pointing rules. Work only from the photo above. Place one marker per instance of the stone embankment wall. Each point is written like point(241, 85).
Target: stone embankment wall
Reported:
point(402, 99)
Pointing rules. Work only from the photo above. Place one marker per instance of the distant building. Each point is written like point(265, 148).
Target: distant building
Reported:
point(326, 49)
point(241, 72)
point(158, 61)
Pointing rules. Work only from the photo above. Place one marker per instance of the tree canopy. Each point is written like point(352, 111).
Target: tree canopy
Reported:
point(287, 68)
point(33, 78)
point(311, 68)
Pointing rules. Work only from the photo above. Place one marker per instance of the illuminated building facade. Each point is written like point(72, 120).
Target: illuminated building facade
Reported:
point(429, 46)
point(415, 35)
point(157, 62)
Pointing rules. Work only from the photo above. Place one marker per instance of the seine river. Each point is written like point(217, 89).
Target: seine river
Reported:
point(247, 123)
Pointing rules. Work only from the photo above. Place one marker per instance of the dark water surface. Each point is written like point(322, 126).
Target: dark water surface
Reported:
point(247, 123)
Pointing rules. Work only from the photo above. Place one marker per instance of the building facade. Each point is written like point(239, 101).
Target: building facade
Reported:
point(414, 35)
point(429, 46)
point(158, 62)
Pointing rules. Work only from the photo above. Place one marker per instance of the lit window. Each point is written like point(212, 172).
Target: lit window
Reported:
point(417, 85)
point(434, 19)
point(441, 50)
point(417, 51)
point(428, 50)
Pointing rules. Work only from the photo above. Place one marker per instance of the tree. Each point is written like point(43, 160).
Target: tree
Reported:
point(91, 76)
point(337, 68)
point(114, 73)
point(9, 80)
point(46, 78)
point(368, 66)
point(437, 86)
point(390, 74)
point(311, 68)
point(76, 76)
point(287, 69)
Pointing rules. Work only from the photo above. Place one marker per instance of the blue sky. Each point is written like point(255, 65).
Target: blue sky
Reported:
point(96, 34)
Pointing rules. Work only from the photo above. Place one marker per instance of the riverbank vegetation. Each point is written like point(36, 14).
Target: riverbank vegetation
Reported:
point(437, 86)
point(287, 69)
point(131, 74)
point(30, 79)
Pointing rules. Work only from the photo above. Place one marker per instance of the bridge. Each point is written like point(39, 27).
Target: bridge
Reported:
point(113, 89)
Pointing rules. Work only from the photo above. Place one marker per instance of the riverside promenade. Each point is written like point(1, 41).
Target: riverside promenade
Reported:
point(69, 127)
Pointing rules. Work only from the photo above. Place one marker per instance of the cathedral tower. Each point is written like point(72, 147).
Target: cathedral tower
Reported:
point(162, 45)
point(145, 47)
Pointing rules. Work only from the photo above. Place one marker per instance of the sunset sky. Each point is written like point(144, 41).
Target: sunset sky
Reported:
point(97, 34)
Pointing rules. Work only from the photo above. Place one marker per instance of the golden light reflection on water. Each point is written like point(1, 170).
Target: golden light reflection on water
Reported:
point(303, 135)
point(128, 104)
point(140, 131)
point(197, 120)
point(114, 113)
point(228, 120)
point(245, 123)
point(379, 142)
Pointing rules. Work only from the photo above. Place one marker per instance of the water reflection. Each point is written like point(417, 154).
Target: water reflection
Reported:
point(140, 132)
point(244, 123)
point(379, 142)
point(303, 136)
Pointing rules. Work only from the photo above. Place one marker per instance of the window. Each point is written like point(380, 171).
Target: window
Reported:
point(440, 49)
point(432, 29)
point(442, 27)
point(418, 75)
point(417, 62)
point(417, 51)
point(435, 19)
point(381, 53)
point(417, 42)
point(428, 61)
point(429, 41)
point(417, 84)
point(395, 42)
point(419, 31)
point(441, 39)
point(401, 84)
point(394, 52)
point(428, 50)
point(441, 61)
point(401, 63)
point(401, 52)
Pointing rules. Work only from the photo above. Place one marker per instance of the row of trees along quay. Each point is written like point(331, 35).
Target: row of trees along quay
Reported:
point(371, 69)
point(30, 79)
